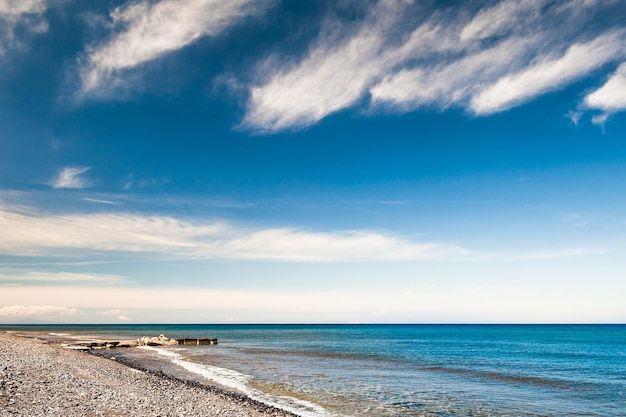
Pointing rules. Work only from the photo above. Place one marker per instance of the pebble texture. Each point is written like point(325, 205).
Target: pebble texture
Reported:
point(38, 378)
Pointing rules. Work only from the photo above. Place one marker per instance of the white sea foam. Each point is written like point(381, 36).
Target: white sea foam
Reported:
point(238, 381)
point(60, 334)
point(225, 377)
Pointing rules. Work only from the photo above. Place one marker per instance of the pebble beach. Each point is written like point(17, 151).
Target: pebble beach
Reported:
point(41, 378)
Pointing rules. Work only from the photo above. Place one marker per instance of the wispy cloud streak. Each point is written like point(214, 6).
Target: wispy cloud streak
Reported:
point(50, 277)
point(550, 74)
point(30, 234)
point(37, 311)
point(14, 13)
point(404, 55)
point(145, 31)
point(70, 177)
point(611, 97)
point(334, 75)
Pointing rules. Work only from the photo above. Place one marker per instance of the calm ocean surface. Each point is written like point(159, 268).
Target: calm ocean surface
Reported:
point(407, 370)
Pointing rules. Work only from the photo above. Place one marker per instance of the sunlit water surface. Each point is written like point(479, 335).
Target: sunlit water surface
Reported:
point(407, 370)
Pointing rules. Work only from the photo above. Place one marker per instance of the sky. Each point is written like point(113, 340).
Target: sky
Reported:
point(347, 161)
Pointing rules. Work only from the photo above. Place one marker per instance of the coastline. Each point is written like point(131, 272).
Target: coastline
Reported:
point(355, 370)
point(41, 378)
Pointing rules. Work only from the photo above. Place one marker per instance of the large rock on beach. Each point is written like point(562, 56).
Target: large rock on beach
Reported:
point(161, 340)
point(127, 343)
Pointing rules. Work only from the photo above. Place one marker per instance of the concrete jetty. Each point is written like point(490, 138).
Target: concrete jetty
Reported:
point(196, 341)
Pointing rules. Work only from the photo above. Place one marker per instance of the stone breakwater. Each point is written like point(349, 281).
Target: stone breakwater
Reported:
point(38, 378)
point(160, 340)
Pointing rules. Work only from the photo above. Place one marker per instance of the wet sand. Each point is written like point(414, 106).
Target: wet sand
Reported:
point(40, 378)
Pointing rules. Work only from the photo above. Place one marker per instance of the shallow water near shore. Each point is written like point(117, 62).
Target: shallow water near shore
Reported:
point(403, 370)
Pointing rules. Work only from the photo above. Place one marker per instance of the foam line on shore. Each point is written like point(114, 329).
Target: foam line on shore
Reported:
point(238, 381)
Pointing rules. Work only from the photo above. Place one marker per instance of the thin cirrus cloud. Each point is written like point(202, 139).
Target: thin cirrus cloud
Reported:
point(500, 18)
point(115, 312)
point(611, 97)
point(145, 31)
point(26, 233)
point(403, 56)
point(333, 75)
point(98, 201)
point(550, 74)
point(59, 277)
point(25, 14)
point(36, 311)
point(70, 177)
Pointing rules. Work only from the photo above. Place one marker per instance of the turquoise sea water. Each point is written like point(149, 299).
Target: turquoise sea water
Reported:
point(407, 370)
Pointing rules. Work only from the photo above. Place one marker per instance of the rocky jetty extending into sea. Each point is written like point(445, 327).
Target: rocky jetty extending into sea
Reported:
point(160, 340)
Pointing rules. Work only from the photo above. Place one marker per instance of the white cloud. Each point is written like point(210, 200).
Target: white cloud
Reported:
point(70, 177)
point(9, 8)
point(334, 75)
point(38, 311)
point(611, 97)
point(549, 74)
point(600, 119)
point(147, 30)
point(35, 276)
point(452, 81)
point(98, 200)
point(114, 312)
point(26, 13)
point(298, 245)
point(574, 116)
point(501, 18)
point(403, 56)
point(28, 233)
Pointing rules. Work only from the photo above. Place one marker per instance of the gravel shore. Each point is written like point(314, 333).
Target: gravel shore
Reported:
point(38, 378)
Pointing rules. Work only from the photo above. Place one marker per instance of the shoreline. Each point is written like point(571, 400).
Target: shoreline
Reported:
point(39, 377)
point(357, 371)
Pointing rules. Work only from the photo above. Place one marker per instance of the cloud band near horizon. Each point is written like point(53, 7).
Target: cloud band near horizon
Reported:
point(27, 233)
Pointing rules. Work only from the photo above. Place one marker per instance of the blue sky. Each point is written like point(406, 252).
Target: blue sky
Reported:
point(326, 161)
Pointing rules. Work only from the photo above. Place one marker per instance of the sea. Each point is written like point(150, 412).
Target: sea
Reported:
point(400, 370)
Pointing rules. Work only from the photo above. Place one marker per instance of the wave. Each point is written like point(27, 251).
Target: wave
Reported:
point(493, 375)
point(502, 377)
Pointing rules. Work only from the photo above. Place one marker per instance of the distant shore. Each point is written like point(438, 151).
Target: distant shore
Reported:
point(41, 378)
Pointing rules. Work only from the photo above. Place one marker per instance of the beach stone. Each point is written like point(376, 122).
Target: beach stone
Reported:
point(161, 340)
point(80, 384)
